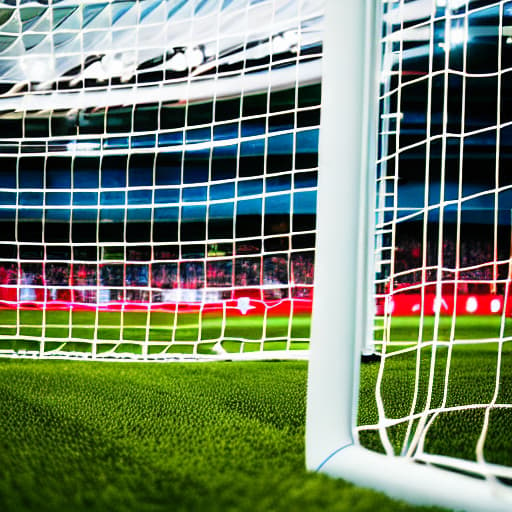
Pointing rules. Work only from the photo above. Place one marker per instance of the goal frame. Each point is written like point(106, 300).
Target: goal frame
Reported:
point(342, 307)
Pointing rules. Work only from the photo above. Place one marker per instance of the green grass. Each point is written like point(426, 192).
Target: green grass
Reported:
point(70, 331)
point(224, 436)
point(170, 332)
point(469, 377)
point(466, 327)
point(157, 437)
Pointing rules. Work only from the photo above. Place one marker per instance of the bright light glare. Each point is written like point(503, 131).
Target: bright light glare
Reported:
point(194, 57)
point(82, 146)
point(178, 62)
point(37, 69)
point(458, 35)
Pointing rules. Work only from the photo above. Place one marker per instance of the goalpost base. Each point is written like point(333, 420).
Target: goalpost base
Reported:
point(415, 482)
point(371, 358)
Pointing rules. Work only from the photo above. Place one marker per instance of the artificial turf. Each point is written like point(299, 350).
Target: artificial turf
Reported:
point(86, 436)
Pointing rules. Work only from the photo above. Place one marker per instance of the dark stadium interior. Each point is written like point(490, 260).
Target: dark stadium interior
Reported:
point(471, 68)
point(447, 156)
point(181, 203)
point(122, 174)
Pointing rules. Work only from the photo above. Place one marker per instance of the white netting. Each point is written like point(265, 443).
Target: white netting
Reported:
point(443, 389)
point(158, 163)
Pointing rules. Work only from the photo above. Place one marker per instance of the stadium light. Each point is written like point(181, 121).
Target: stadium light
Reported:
point(189, 58)
point(458, 36)
point(292, 39)
point(178, 62)
point(121, 65)
point(455, 36)
point(82, 146)
point(194, 57)
point(37, 69)
point(284, 42)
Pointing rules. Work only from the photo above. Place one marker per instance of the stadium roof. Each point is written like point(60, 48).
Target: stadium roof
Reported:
point(94, 42)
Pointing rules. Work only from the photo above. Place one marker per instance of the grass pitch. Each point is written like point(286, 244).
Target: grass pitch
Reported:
point(157, 437)
point(411, 329)
point(227, 437)
point(184, 331)
point(162, 332)
point(465, 375)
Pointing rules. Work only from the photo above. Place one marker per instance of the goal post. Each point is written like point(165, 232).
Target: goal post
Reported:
point(342, 314)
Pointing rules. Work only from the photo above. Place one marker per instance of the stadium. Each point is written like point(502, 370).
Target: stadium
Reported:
point(244, 243)
point(202, 195)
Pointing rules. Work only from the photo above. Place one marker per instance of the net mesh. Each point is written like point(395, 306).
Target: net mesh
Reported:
point(158, 176)
point(443, 386)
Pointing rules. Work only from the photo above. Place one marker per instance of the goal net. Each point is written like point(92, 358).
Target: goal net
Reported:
point(158, 177)
point(435, 410)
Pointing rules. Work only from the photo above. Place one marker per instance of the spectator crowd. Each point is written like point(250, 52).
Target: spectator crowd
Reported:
point(276, 275)
point(280, 276)
point(476, 271)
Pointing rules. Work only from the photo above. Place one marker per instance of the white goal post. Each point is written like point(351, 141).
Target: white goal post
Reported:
point(342, 313)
